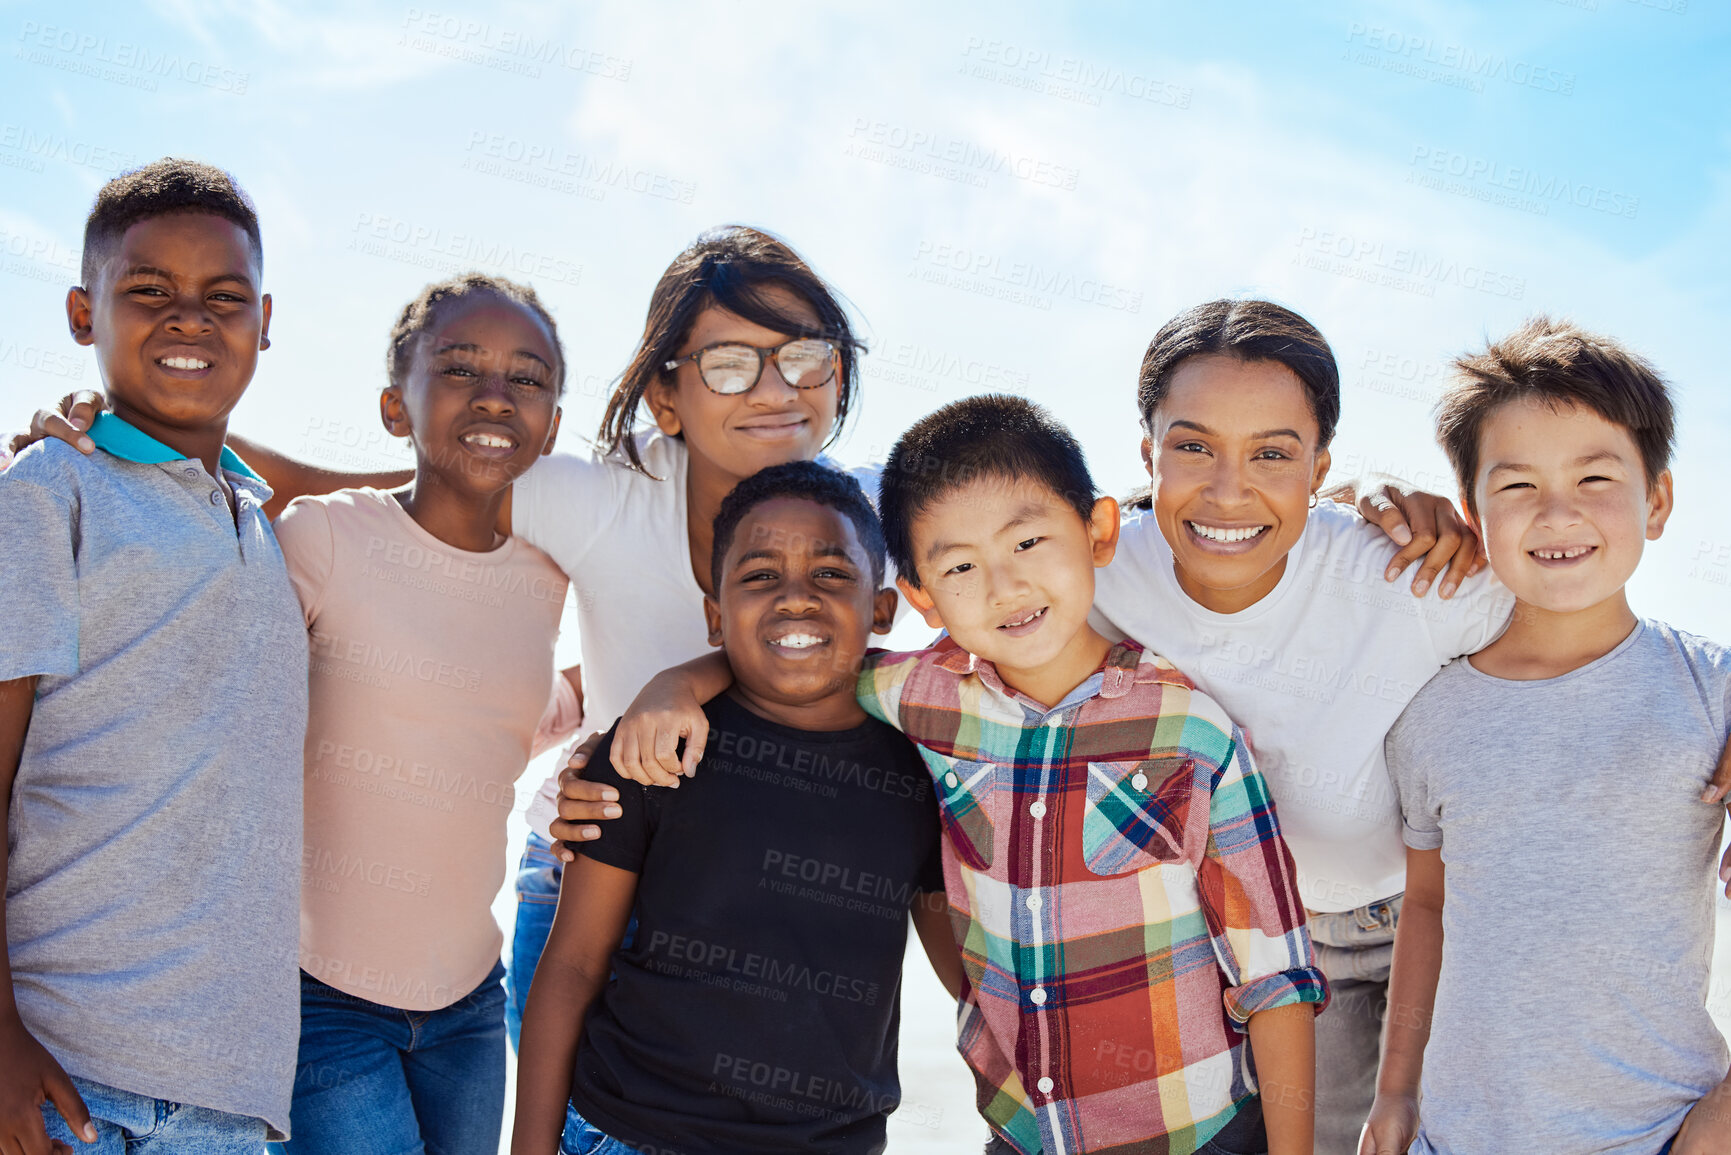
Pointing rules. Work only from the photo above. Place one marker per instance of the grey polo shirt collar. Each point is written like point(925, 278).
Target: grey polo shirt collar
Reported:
point(122, 439)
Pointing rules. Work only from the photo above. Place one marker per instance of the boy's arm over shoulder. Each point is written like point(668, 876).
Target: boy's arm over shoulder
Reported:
point(308, 542)
point(886, 677)
point(40, 526)
point(1249, 886)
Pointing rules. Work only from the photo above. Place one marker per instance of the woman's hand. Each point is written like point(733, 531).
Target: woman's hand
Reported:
point(67, 423)
point(1391, 1127)
point(581, 802)
point(1424, 525)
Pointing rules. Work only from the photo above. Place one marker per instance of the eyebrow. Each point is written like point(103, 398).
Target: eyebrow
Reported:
point(820, 549)
point(471, 347)
point(1201, 428)
point(1584, 459)
point(153, 271)
point(1030, 511)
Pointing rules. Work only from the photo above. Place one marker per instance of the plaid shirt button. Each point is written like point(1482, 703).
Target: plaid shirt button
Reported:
point(1045, 1084)
point(1037, 809)
point(1037, 996)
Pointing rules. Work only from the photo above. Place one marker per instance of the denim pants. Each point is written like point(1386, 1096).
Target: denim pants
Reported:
point(378, 1080)
point(538, 877)
point(582, 1137)
point(127, 1123)
point(1354, 950)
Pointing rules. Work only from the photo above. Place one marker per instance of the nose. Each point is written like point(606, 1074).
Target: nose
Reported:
point(493, 395)
point(1558, 509)
point(1226, 484)
point(189, 316)
point(772, 390)
point(798, 596)
point(1005, 584)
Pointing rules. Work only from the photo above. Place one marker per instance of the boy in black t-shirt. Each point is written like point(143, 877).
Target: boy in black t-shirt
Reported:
point(758, 1005)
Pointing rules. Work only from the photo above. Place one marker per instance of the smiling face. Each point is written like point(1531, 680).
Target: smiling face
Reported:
point(1007, 567)
point(1233, 451)
point(736, 435)
point(797, 606)
point(177, 320)
point(1563, 504)
point(480, 400)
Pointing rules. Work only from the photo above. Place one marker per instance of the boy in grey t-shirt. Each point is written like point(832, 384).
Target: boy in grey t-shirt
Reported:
point(1559, 774)
point(152, 713)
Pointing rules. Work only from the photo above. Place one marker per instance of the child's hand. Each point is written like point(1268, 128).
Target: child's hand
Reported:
point(32, 1077)
point(1391, 1127)
point(646, 744)
point(67, 423)
point(581, 802)
point(1707, 1129)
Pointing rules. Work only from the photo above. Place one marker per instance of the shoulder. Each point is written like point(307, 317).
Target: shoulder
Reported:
point(1437, 707)
point(54, 466)
point(1336, 531)
point(1159, 695)
point(1708, 661)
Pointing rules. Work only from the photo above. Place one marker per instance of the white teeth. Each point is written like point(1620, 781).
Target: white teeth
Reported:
point(183, 363)
point(490, 440)
point(799, 641)
point(1213, 533)
point(1573, 551)
point(1026, 620)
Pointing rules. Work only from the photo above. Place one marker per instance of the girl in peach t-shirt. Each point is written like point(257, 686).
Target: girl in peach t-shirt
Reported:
point(431, 640)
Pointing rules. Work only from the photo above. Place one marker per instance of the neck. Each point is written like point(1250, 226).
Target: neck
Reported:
point(1229, 601)
point(203, 444)
point(1542, 643)
point(1049, 682)
point(838, 711)
point(705, 487)
point(461, 520)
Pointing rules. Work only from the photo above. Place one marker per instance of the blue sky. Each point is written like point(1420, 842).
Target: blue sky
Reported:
point(1013, 196)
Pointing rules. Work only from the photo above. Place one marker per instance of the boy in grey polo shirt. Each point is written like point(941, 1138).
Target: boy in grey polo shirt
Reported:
point(152, 712)
point(1561, 773)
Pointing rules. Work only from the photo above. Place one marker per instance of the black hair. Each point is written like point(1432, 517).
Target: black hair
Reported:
point(729, 267)
point(159, 189)
point(1558, 364)
point(419, 314)
point(995, 435)
point(809, 481)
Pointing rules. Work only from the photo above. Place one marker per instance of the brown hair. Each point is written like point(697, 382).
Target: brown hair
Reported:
point(1559, 364)
point(729, 267)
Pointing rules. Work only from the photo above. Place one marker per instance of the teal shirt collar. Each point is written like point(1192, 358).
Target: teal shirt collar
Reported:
point(129, 443)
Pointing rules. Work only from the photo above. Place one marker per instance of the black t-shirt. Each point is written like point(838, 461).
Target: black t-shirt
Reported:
point(758, 1005)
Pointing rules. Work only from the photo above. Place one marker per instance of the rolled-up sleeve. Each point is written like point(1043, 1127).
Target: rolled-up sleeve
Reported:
point(38, 580)
point(1250, 895)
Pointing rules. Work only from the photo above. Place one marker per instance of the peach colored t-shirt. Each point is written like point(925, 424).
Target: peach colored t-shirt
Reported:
point(430, 669)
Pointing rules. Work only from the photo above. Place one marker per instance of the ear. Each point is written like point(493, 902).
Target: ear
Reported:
point(1660, 501)
point(922, 603)
point(659, 397)
point(1148, 453)
point(1103, 527)
point(264, 327)
point(883, 611)
point(78, 315)
point(552, 431)
point(1472, 516)
point(1319, 474)
point(394, 413)
point(712, 616)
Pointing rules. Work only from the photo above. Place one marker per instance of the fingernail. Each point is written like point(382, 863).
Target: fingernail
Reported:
point(608, 794)
point(611, 812)
point(588, 832)
point(1419, 586)
point(1725, 874)
point(1710, 794)
point(1447, 590)
point(85, 445)
point(1391, 573)
point(1401, 535)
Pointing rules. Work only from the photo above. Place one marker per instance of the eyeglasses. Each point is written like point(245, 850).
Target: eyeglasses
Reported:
point(731, 367)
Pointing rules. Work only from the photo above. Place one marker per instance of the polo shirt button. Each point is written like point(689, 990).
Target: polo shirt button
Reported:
point(1037, 996)
point(1034, 902)
point(216, 497)
point(1037, 809)
point(1045, 1084)
point(1140, 782)
point(950, 779)
point(190, 472)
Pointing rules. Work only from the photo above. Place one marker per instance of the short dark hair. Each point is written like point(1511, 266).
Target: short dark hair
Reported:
point(808, 481)
point(419, 314)
point(1251, 331)
point(160, 189)
point(993, 435)
point(1560, 364)
point(729, 267)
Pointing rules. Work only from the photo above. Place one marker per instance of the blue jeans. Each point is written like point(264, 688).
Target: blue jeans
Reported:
point(127, 1123)
point(377, 1080)
point(538, 877)
point(582, 1137)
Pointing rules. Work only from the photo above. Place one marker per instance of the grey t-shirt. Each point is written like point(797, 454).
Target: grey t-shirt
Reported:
point(1578, 924)
point(154, 841)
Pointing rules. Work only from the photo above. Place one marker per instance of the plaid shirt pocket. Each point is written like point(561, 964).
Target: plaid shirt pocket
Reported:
point(965, 802)
point(1137, 812)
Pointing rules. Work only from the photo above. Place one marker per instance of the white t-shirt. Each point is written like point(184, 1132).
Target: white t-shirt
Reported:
point(621, 538)
point(1315, 673)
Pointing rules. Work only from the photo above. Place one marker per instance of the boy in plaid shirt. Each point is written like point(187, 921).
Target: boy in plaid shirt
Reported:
point(1126, 908)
